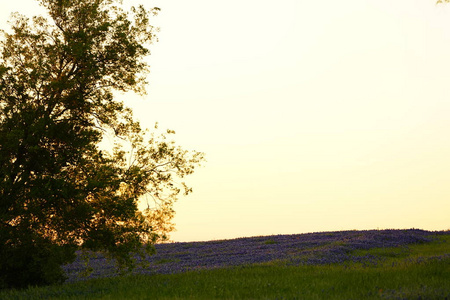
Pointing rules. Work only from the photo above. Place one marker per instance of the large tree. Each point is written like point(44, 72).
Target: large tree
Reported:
point(59, 189)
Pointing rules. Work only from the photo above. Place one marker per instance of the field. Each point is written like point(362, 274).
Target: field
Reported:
point(376, 264)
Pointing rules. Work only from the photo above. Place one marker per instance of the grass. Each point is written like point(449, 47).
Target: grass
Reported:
point(420, 271)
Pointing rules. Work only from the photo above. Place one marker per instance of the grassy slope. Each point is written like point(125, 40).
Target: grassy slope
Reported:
point(407, 273)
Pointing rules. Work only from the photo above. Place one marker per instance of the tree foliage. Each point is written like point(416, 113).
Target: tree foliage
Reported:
point(59, 190)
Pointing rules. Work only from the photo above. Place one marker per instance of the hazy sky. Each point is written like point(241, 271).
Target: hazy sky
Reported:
point(314, 115)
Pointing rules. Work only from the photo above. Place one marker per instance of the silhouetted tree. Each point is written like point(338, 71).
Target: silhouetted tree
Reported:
point(59, 191)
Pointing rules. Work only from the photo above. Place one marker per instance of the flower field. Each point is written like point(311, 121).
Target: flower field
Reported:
point(373, 264)
point(298, 249)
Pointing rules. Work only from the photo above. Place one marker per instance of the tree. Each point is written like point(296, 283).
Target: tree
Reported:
point(59, 190)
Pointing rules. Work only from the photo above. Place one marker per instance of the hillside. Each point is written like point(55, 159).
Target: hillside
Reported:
point(373, 264)
point(297, 249)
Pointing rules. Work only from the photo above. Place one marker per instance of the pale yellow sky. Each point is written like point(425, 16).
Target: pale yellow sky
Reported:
point(314, 115)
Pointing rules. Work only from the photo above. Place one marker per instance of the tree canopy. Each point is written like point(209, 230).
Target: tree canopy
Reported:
point(59, 189)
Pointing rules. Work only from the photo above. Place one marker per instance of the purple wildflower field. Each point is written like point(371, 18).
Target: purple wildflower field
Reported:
point(297, 249)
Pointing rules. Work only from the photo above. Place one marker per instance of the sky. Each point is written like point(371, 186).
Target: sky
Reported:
point(313, 115)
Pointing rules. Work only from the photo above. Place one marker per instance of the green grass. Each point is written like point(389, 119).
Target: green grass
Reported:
point(405, 273)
